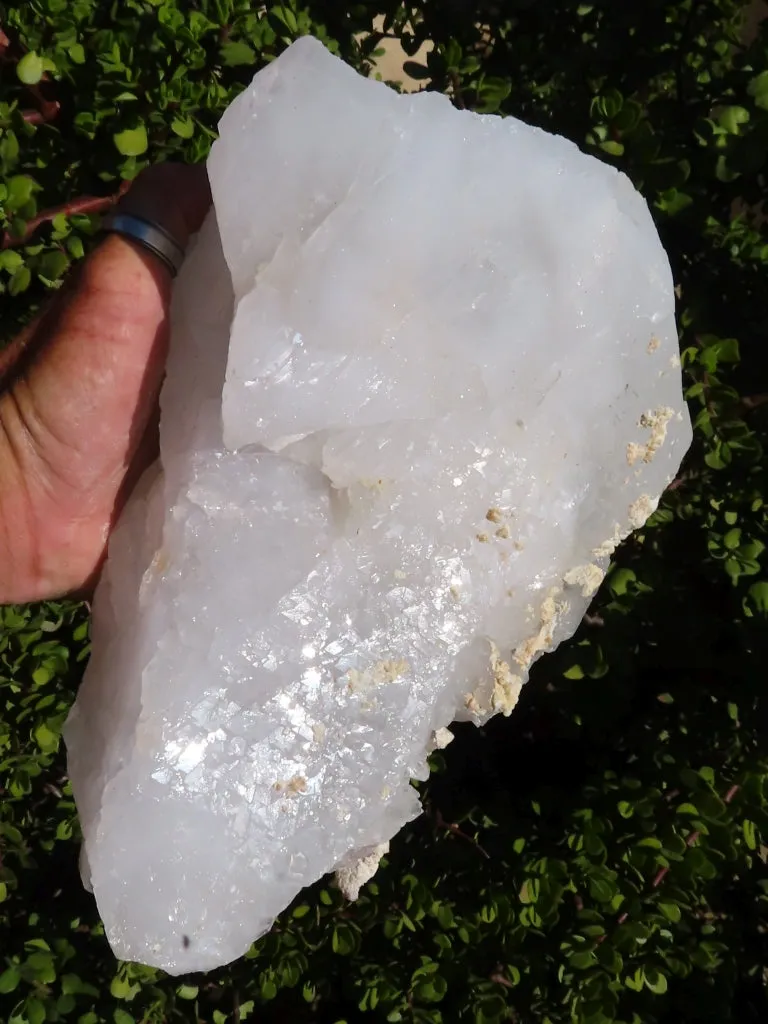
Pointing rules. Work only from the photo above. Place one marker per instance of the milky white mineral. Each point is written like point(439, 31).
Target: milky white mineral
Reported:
point(422, 381)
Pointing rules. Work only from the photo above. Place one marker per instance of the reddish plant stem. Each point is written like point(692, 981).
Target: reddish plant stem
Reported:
point(501, 980)
point(692, 838)
point(454, 828)
point(47, 109)
point(44, 116)
point(754, 401)
point(456, 92)
point(662, 872)
point(85, 204)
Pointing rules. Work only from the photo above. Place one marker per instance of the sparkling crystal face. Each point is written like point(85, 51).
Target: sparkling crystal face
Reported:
point(422, 380)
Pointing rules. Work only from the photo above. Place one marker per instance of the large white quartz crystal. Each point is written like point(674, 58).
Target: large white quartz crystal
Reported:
point(423, 379)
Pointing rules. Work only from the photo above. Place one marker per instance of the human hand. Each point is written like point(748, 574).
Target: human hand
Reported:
point(78, 424)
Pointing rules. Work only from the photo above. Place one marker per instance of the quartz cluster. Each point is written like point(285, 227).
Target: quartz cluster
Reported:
point(423, 378)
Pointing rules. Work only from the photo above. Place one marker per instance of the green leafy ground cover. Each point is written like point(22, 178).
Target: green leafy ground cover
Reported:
point(600, 856)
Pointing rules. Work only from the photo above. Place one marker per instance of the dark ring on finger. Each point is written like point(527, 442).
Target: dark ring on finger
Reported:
point(148, 234)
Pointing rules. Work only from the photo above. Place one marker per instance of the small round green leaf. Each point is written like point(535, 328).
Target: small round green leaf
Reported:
point(731, 117)
point(21, 188)
point(75, 246)
point(34, 1011)
point(41, 967)
point(47, 740)
point(30, 68)
point(601, 890)
point(9, 979)
point(236, 53)
point(688, 808)
point(184, 127)
point(52, 265)
point(750, 833)
point(612, 147)
point(758, 593)
point(655, 981)
point(132, 141)
point(671, 911)
point(582, 960)
point(10, 260)
point(20, 281)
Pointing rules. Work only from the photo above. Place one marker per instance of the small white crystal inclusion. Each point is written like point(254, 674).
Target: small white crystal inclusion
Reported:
point(421, 383)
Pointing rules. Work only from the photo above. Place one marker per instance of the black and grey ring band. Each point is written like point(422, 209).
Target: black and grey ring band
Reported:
point(148, 234)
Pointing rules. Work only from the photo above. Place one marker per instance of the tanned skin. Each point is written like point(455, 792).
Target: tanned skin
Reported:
point(78, 408)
